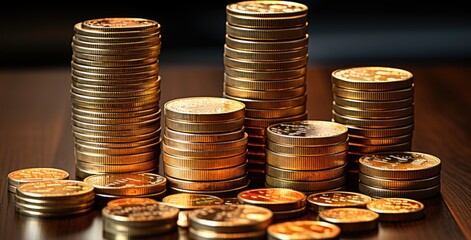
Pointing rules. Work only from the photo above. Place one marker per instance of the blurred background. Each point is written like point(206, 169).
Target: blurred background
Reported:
point(341, 32)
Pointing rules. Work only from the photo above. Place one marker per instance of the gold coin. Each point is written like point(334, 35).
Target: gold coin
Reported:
point(265, 56)
point(114, 94)
point(204, 163)
point(76, 97)
point(266, 46)
point(231, 218)
point(123, 77)
point(120, 133)
point(261, 84)
point(296, 162)
point(266, 65)
point(131, 53)
point(205, 127)
point(372, 78)
point(422, 193)
point(121, 24)
point(116, 159)
point(26, 175)
point(399, 184)
point(126, 231)
point(374, 105)
point(397, 209)
point(373, 123)
point(199, 234)
point(204, 154)
point(107, 115)
point(115, 121)
point(204, 138)
point(267, 8)
point(380, 132)
point(111, 39)
point(103, 199)
point(319, 202)
point(129, 184)
point(205, 174)
point(128, 213)
point(303, 229)
point(118, 83)
point(81, 174)
point(390, 95)
point(117, 139)
point(275, 199)
point(234, 183)
point(307, 133)
point(54, 189)
point(263, 123)
point(307, 150)
point(218, 193)
point(305, 175)
point(149, 42)
point(124, 168)
point(369, 149)
point(77, 201)
point(130, 200)
point(88, 59)
point(186, 201)
point(265, 95)
point(117, 146)
point(274, 34)
point(211, 146)
point(265, 75)
point(80, 29)
point(270, 104)
point(58, 209)
point(351, 219)
point(204, 109)
point(306, 186)
point(151, 125)
point(400, 165)
point(373, 114)
point(380, 141)
point(265, 22)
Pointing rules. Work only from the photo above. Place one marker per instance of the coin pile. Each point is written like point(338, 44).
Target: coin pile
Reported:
point(51, 198)
point(112, 186)
point(229, 222)
point(190, 201)
point(351, 219)
point(308, 156)
point(137, 220)
point(319, 202)
point(284, 203)
point(115, 95)
point(400, 175)
point(205, 146)
point(377, 105)
point(397, 209)
point(303, 229)
point(26, 175)
point(265, 58)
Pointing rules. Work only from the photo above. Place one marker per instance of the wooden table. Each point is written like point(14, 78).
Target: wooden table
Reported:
point(35, 131)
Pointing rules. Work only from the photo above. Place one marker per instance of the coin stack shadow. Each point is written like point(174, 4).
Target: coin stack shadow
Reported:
point(308, 156)
point(265, 58)
point(115, 95)
point(377, 106)
point(204, 147)
point(411, 175)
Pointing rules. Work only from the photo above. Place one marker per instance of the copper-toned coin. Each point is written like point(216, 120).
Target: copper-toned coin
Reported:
point(267, 8)
point(319, 202)
point(351, 219)
point(26, 175)
point(135, 200)
point(306, 186)
point(198, 234)
point(265, 75)
point(305, 175)
point(204, 138)
point(304, 229)
point(372, 78)
point(266, 46)
point(144, 214)
point(266, 65)
point(308, 150)
point(204, 109)
point(129, 184)
point(397, 209)
point(231, 218)
point(228, 192)
point(55, 189)
point(188, 201)
point(295, 162)
point(400, 165)
point(399, 184)
point(205, 174)
point(218, 185)
point(265, 56)
point(121, 24)
point(205, 127)
point(208, 146)
point(275, 199)
point(417, 194)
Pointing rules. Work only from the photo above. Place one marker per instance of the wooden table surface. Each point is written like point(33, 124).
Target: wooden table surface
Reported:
point(35, 131)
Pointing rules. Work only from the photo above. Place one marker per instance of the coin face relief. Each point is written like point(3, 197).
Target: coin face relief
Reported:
point(36, 174)
point(334, 199)
point(125, 180)
point(372, 74)
point(304, 230)
point(267, 7)
point(127, 212)
point(55, 188)
point(204, 105)
point(348, 215)
point(395, 205)
point(137, 23)
point(123, 201)
point(309, 129)
point(401, 161)
point(271, 195)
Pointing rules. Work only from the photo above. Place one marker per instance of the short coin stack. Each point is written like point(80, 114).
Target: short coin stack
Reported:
point(205, 146)
point(54, 198)
point(229, 222)
point(308, 156)
point(113, 186)
point(377, 105)
point(137, 220)
point(115, 95)
point(284, 203)
point(265, 60)
point(18, 177)
point(400, 175)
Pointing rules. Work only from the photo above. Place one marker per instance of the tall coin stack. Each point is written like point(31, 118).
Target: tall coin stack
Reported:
point(115, 95)
point(265, 58)
point(205, 146)
point(377, 105)
point(308, 156)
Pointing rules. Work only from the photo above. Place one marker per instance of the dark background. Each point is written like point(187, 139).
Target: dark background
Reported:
point(341, 32)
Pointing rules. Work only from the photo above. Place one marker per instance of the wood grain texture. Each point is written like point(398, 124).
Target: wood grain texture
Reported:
point(35, 131)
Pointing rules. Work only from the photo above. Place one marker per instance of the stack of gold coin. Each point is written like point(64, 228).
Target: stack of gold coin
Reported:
point(303, 230)
point(138, 220)
point(115, 95)
point(412, 175)
point(190, 201)
point(308, 156)
point(229, 222)
point(124, 185)
point(265, 58)
point(351, 219)
point(51, 198)
point(319, 202)
point(205, 146)
point(377, 105)
point(284, 203)
point(27, 175)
